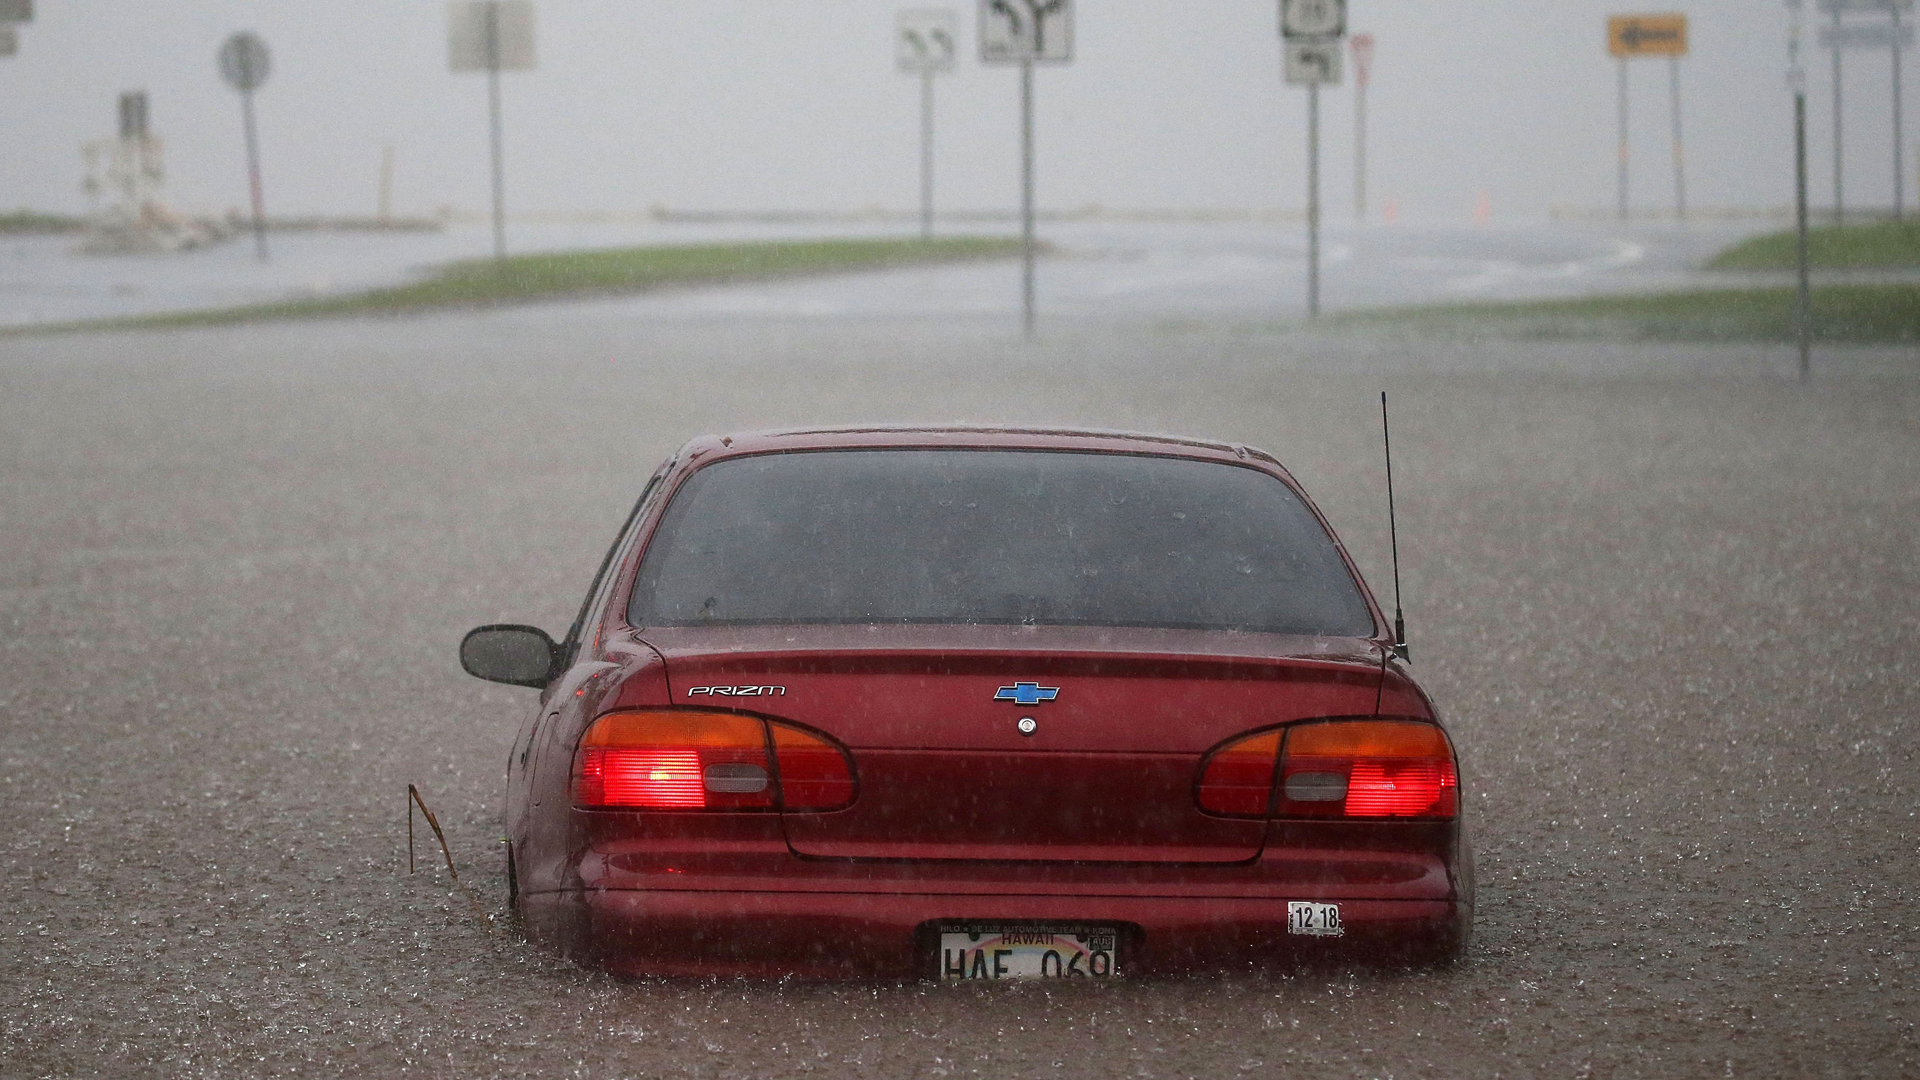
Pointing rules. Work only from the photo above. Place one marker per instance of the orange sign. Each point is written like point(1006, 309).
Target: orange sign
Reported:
point(1647, 35)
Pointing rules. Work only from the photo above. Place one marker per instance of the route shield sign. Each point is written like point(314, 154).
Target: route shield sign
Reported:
point(1313, 19)
point(1313, 63)
point(1019, 31)
point(1647, 35)
point(926, 39)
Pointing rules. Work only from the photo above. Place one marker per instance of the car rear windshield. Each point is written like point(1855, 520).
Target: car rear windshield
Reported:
point(994, 536)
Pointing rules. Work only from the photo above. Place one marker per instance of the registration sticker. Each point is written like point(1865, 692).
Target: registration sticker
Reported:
point(990, 952)
point(1317, 920)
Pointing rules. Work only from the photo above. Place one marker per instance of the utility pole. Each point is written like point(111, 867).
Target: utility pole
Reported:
point(1839, 193)
point(1679, 153)
point(1027, 243)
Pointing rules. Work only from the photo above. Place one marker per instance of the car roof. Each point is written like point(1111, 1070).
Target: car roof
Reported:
point(958, 436)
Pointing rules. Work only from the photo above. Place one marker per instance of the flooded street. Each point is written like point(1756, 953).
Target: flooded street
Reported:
point(1664, 596)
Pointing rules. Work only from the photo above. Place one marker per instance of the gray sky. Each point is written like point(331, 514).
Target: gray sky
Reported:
point(738, 104)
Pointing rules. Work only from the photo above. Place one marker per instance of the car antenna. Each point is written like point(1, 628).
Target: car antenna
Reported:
point(1393, 533)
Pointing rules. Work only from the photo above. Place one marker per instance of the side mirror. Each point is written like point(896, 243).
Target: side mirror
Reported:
point(512, 654)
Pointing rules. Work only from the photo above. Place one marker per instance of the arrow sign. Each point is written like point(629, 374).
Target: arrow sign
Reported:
point(1023, 31)
point(926, 40)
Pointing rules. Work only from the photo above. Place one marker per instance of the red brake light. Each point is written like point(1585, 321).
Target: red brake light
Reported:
point(674, 759)
point(1368, 768)
point(1237, 779)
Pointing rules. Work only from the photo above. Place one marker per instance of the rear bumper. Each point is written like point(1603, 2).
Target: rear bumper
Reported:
point(819, 934)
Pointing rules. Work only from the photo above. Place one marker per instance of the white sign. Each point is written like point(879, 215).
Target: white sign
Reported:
point(1865, 36)
point(245, 62)
point(926, 40)
point(16, 11)
point(505, 24)
point(1313, 18)
point(1313, 62)
point(1018, 31)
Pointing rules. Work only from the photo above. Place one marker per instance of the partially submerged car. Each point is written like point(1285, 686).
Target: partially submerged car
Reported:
point(976, 704)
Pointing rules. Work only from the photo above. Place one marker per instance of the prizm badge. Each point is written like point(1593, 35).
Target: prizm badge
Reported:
point(1026, 693)
point(738, 691)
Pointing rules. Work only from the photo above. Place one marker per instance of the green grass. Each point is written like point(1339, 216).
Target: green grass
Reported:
point(523, 278)
point(1860, 314)
point(26, 221)
point(1879, 245)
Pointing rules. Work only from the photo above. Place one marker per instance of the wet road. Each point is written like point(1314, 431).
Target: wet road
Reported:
point(1665, 596)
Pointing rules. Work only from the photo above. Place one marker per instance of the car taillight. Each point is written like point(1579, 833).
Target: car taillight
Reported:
point(670, 759)
point(1367, 769)
point(1237, 779)
point(814, 773)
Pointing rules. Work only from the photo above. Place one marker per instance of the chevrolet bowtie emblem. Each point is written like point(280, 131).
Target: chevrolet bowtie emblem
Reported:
point(1026, 693)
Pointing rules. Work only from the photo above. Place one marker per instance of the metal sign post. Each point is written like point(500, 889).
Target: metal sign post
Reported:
point(1894, 36)
point(245, 64)
point(492, 36)
point(1026, 32)
point(1803, 293)
point(1362, 46)
point(1630, 36)
point(926, 42)
point(1311, 32)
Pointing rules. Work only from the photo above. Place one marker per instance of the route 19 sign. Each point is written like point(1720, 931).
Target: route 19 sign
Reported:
point(1313, 19)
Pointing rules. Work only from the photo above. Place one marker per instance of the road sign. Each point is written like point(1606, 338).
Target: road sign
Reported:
point(1313, 63)
point(926, 40)
point(512, 35)
point(1864, 5)
point(245, 62)
point(1865, 36)
point(16, 11)
point(1647, 35)
point(9, 41)
point(1026, 31)
point(1313, 18)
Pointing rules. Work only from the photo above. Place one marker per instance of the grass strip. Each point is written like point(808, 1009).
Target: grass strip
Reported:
point(1876, 245)
point(1855, 314)
point(556, 275)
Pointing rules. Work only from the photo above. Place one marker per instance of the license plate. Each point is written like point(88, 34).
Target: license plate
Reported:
point(990, 952)
point(1317, 920)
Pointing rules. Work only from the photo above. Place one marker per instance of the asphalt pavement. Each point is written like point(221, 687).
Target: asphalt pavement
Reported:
point(1663, 594)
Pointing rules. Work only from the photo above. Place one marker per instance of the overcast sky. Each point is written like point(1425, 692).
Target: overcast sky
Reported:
point(795, 104)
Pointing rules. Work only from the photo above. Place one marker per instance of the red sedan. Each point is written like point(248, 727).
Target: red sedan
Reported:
point(976, 704)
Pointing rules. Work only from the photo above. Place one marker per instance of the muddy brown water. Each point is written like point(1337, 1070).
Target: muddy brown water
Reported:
point(1665, 596)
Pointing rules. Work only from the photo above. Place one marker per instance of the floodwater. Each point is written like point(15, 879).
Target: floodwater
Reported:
point(1095, 268)
point(1663, 595)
